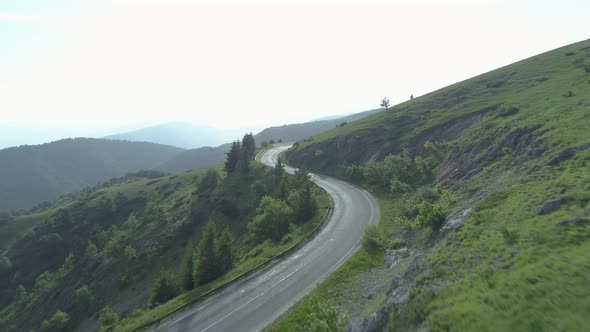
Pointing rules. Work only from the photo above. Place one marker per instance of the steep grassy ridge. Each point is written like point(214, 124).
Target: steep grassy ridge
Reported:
point(503, 158)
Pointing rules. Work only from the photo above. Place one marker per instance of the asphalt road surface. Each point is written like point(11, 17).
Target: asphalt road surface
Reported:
point(253, 303)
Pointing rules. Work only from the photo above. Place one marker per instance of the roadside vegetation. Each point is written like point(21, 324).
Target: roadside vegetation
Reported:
point(126, 252)
point(484, 190)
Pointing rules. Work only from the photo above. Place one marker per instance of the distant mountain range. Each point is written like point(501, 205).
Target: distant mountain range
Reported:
point(31, 174)
point(180, 134)
point(203, 157)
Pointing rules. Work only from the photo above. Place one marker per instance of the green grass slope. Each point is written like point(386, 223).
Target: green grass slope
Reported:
point(486, 216)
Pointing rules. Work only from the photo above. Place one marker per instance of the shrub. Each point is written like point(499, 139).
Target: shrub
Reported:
point(372, 238)
point(58, 322)
point(324, 317)
point(396, 186)
point(272, 220)
point(505, 112)
point(354, 172)
point(83, 299)
point(107, 316)
point(395, 243)
point(510, 236)
point(165, 288)
point(430, 215)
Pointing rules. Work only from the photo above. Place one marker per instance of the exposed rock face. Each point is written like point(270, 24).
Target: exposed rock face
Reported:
point(566, 154)
point(523, 143)
point(398, 292)
point(364, 146)
point(574, 222)
point(550, 206)
point(448, 130)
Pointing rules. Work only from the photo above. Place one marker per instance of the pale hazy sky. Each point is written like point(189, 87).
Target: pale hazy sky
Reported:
point(108, 64)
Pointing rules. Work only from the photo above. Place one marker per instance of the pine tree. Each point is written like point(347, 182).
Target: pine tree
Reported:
point(248, 146)
point(186, 273)
point(21, 297)
point(233, 156)
point(278, 172)
point(90, 254)
point(206, 267)
point(224, 250)
point(244, 163)
point(208, 183)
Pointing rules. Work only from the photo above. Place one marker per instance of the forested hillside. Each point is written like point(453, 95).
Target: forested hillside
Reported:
point(31, 174)
point(137, 246)
point(195, 158)
point(484, 188)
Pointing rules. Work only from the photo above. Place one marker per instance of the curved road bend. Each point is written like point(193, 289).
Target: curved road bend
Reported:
point(253, 303)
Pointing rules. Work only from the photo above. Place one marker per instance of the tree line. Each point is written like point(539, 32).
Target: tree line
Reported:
point(281, 200)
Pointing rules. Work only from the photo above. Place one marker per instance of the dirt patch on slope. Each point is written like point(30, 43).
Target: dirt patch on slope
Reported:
point(466, 161)
point(448, 130)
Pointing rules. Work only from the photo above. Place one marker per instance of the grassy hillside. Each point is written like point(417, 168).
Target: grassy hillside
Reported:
point(299, 131)
point(31, 174)
point(122, 249)
point(484, 187)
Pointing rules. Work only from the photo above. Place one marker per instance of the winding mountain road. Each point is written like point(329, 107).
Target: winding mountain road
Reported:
point(253, 303)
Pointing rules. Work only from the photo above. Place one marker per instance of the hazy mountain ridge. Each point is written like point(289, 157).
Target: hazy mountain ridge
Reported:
point(180, 134)
point(208, 156)
point(31, 174)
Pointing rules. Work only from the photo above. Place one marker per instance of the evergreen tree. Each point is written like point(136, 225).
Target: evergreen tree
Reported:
point(208, 183)
point(206, 267)
point(83, 300)
point(91, 254)
point(21, 297)
point(233, 156)
point(248, 146)
point(301, 179)
point(278, 172)
point(186, 272)
point(281, 190)
point(244, 163)
point(131, 223)
point(225, 251)
point(302, 203)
